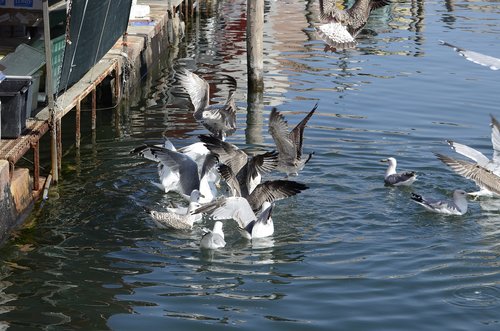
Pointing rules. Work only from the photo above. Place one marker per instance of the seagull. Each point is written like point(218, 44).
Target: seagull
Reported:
point(250, 225)
point(341, 27)
point(178, 221)
point(220, 120)
point(485, 60)
point(179, 173)
point(487, 180)
point(253, 214)
point(289, 144)
point(479, 158)
point(397, 178)
point(213, 239)
point(248, 170)
point(456, 207)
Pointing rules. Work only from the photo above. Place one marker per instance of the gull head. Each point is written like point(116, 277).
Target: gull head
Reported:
point(390, 160)
point(195, 196)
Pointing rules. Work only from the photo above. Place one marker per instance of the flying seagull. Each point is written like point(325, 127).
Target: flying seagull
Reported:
point(485, 60)
point(220, 120)
point(479, 158)
point(394, 178)
point(457, 206)
point(213, 239)
point(487, 180)
point(289, 143)
point(341, 27)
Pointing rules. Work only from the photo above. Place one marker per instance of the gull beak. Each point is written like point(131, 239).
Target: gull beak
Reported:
point(384, 160)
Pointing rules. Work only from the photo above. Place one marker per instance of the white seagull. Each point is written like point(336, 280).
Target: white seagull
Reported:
point(479, 159)
point(178, 221)
point(289, 143)
point(260, 201)
point(341, 27)
point(179, 173)
point(457, 206)
point(213, 239)
point(220, 120)
point(485, 60)
point(394, 178)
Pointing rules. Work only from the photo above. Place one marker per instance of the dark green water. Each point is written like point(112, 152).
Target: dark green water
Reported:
point(347, 254)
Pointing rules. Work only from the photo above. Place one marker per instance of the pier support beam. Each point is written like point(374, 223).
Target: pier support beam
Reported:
point(36, 165)
point(94, 108)
point(77, 124)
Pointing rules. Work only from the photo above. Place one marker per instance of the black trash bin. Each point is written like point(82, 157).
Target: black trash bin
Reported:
point(14, 96)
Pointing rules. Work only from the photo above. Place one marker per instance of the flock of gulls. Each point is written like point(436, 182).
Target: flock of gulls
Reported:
point(218, 179)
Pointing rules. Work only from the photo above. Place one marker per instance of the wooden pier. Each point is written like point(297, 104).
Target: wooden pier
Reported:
point(127, 54)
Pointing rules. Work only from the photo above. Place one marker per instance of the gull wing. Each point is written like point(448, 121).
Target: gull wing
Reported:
point(278, 128)
point(236, 208)
point(485, 60)
point(297, 134)
point(197, 88)
point(469, 152)
point(480, 175)
point(495, 139)
point(274, 190)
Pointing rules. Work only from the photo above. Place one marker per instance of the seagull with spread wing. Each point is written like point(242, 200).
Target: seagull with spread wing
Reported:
point(219, 119)
point(289, 143)
point(341, 27)
point(482, 169)
point(485, 60)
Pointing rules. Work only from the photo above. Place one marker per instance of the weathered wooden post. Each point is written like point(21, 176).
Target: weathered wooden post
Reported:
point(255, 118)
point(49, 89)
point(255, 36)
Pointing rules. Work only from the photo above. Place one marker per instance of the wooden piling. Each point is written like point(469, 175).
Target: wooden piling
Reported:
point(94, 108)
point(36, 165)
point(77, 124)
point(255, 47)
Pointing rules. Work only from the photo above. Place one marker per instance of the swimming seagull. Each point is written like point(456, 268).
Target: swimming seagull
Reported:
point(220, 120)
point(341, 27)
point(479, 158)
point(213, 239)
point(485, 60)
point(486, 179)
point(289, 144)
point(458, 206)
point(397, 178)
point(178, 221)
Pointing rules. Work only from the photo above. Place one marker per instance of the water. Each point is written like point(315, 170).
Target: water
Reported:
point(347, 254)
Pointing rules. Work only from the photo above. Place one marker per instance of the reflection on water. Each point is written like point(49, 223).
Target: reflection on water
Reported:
point(348, 251)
